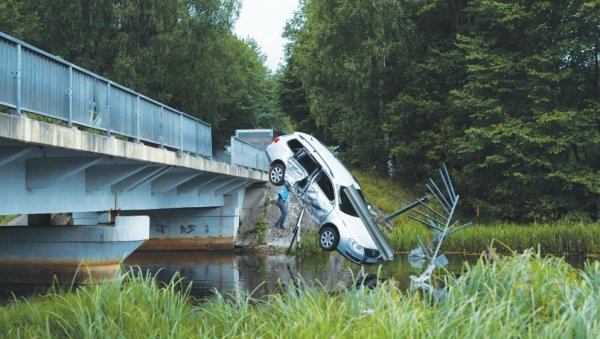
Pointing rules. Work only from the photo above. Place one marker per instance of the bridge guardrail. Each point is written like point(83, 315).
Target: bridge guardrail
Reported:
point(248, 155)
point(35, 81)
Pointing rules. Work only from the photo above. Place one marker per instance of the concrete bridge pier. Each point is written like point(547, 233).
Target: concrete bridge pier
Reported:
point(200, 228)
point(42, 254)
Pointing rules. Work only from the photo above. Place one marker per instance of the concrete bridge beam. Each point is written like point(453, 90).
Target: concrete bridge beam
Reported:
point(10, 154)
point(172, 180)
point(138, 179)
point(45, 172)
point(230, 187)
point(51, 172)
point(193, 184)
point(104, 176)
point(210, 188)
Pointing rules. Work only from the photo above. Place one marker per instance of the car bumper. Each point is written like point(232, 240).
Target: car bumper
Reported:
point(359, 258)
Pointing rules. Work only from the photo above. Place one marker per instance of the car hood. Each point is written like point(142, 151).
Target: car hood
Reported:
point(357, 230)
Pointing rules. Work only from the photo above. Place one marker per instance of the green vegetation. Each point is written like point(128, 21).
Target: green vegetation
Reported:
point(42, 118)
point(261, 229)
point(309, 243)
point(569, 235)
point(519, 296)
point(131, 306)
point(6, 218)
point(558, 238)
point(182, 53)
point(506, 93)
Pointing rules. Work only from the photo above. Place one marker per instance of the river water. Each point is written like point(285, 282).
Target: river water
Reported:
point(261, 273)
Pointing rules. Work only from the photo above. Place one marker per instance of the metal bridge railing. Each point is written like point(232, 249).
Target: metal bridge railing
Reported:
point(248, 155)
point(35, 81)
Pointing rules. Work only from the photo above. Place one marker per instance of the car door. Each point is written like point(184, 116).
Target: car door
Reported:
point(318, 196)
point(298, 167)
point(294, 173)
point(301, 167)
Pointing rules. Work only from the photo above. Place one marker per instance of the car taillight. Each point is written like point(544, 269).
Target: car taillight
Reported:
point(276, 140)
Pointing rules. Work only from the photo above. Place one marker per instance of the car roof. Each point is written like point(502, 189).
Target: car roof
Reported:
point(339, 173)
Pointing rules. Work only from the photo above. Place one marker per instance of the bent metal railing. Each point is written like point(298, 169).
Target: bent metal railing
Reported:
point(35, 81)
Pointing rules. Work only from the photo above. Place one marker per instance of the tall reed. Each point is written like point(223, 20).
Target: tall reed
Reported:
point(521, 296)
point(134, 305)
point(524, 295)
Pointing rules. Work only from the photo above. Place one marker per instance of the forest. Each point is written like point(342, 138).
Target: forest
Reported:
point(505, 93)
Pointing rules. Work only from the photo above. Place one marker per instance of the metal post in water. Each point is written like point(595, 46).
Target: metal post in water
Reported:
point(442, 223)
point(299, 226)
point(296, 232)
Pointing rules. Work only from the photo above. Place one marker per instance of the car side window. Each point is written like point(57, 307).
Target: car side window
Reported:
point(345, 204)
point(326, 186)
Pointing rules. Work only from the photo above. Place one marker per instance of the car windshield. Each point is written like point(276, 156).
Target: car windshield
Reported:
point(345, 204)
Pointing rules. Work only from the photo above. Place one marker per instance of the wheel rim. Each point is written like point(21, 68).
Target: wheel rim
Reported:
point(276, 174)
point(327, 239)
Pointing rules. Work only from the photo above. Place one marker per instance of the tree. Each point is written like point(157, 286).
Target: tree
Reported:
point(341, 53)
point(419, 121)
point(13, 15)
point(532, 110)
point(180, 52)
point(505, 92)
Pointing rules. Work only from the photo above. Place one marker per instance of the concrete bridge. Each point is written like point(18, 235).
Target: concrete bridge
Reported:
point(99, 169)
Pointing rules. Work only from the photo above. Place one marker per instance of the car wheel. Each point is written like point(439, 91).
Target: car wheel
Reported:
point(276, 174)
point(329, 238)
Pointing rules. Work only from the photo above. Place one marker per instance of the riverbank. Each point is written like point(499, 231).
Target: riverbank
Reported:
point(559, 238)
point(555, 239)
point(522, 295)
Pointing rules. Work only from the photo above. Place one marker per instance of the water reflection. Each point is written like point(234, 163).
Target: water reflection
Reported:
point(263, 273)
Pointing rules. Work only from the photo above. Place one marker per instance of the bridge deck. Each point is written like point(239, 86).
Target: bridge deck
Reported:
point(51, 169)
point(28, 131)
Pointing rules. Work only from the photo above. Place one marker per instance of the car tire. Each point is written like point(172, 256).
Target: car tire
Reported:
point(329, 238)
point(277, 174)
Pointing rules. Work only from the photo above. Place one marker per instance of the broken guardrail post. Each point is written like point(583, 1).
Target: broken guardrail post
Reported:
point(438, 217)
point(360, 206)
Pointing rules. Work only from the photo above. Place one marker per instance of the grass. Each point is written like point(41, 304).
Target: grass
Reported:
point(523, 295)
point(42, 118)
point(562, 237)
point(59, 122)
point(6, 218)
point(132, 306)
point(261, 229)
point(309, 242)
point(383, 193)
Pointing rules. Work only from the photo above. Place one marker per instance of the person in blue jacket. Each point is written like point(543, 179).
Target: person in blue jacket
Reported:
point(283, 197)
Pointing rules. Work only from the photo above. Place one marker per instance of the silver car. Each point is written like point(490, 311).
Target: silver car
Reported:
point(323, 186)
